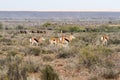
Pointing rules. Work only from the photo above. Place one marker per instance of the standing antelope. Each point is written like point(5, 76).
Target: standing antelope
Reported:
point(64, 40)
point(61, 41)
point(54, 41)
point(104, 40)
point(36, 41)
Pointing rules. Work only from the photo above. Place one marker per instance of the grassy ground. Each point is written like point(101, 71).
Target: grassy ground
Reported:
point(85, 59)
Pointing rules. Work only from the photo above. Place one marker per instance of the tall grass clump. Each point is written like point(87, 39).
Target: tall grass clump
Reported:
point(15, 70)
point(48, 73)
point(31, 66)
point(33, 51)
point(67, 53)
point(88, 57)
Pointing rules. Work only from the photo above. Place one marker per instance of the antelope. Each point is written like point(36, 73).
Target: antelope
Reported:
point(54, 41)
point(62, 41)
point(36, 41)
point(104, 39)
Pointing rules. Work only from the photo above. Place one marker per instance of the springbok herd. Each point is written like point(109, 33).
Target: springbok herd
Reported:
point(63, 41)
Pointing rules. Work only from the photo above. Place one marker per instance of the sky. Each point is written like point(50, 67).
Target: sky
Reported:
point(59, 5)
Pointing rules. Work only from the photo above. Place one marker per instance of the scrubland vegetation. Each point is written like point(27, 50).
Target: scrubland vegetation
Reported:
point(85, 59)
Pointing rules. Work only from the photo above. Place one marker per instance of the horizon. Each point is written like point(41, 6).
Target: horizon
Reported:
point(55, 11)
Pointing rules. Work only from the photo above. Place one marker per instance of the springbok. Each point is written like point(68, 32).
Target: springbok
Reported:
point(61, 41)
point(36, 41)
point(64, 40)
point(54, 41)
point(104, 39)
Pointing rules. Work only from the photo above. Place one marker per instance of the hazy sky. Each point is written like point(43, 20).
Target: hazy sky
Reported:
point(60, 5)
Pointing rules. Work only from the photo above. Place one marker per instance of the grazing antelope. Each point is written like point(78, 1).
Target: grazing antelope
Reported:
point(61, 41)
point(104, 40)
point(64, 40)
point(36, 41)
point(54, 41)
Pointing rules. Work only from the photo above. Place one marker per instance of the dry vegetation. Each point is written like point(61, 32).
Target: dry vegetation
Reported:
point(85, 59)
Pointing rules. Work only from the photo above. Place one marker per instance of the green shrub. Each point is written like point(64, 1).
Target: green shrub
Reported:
point(49, 74)
point(34, 51)
point(64, 53)
point(71, 28)
point(103, 28)
point(15, 71)
point(90, 56)
point(74, 29)
point(93, 78)
point(107, 28)
point(47, 58)
point(116, 41)
point(20, 27)
point(1, 36)
point(50, 26)
point(5, 40)
point(12, 53)
point(103, 51)
point(43, 51)
point(47, 24)
point(1, 25)
point(31, 67)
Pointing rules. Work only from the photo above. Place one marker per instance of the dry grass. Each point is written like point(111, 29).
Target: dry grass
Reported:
point(84, 58)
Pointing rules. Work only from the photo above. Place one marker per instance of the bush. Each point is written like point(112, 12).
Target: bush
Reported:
point(63, 53)
point(20, 27)
point(12, 53)
point(116, 41)
point(107, 28)
point(47, 24)
point(93, 78)
point(47, 58)
point(34, 51)
point(90, 56)
point(103, 28)
point(110, 74)
point(31, 67)
point(1, 25)
point(72, 28)
point(6, 41)
point(15, 71)
point(49, 74)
